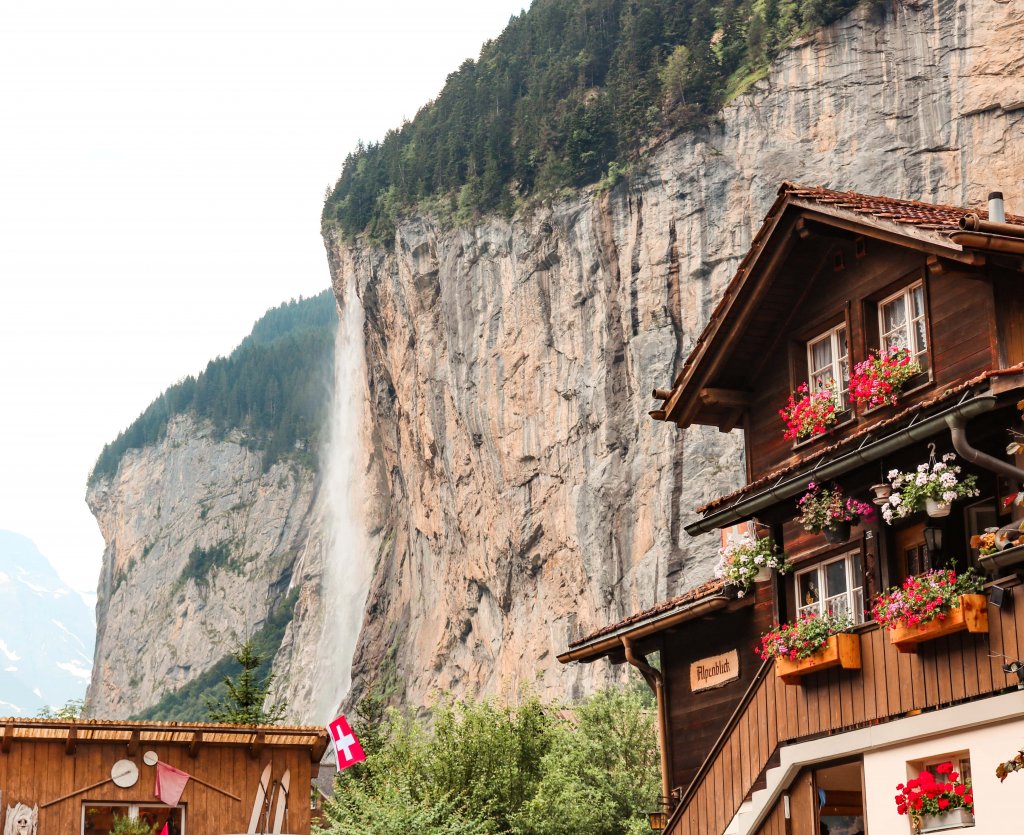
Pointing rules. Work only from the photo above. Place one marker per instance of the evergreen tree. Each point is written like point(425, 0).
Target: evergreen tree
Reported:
point(246, 697)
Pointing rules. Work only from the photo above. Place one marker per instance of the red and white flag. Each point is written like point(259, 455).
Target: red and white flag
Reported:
point(165, 830)
point(346, 746)
point(170, 783)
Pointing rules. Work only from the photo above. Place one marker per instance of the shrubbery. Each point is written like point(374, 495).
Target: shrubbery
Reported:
point(479, 767)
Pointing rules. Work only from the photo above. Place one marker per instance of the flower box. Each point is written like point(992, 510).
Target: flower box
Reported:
point(951, 819)
point(842, 650)
point(970, 616)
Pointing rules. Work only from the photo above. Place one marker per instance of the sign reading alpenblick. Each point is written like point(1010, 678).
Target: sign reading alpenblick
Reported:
point(714, 671)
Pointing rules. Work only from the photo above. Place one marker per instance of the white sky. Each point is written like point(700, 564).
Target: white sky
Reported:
point(162, 170)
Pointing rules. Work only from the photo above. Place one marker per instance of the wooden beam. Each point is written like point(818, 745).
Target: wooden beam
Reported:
point(732, 421)
point(256, 746)
point(134, 743)
point(319, 748)
point(193, 746)
point(726, 397)
point(75, 792)
point(71, 743)
point(8, 738)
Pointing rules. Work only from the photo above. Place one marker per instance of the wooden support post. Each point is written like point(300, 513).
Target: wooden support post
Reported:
point(256, 746)
point(193, 746)
point(134, 743)
point(8, 738)
point(71, 743)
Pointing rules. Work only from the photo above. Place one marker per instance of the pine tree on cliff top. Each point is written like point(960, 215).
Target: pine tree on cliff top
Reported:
point(243, 703)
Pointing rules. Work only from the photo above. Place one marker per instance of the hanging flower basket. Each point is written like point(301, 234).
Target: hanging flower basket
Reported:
point(829, 511)
point(937, 509)
point(842, 650)
point(939, 482)
point(748, 561)
point(882, 493)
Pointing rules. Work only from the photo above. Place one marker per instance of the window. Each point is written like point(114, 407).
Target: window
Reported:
point(834, 587)
point(828, 363)
point(98, 818)
point(902, 322)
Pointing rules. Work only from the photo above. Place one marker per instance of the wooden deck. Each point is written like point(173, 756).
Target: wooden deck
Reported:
point(890, 685)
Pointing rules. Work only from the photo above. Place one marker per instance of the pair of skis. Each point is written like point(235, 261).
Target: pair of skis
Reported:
point(264, 805)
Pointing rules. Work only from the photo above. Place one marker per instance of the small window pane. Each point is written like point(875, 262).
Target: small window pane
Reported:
point(821, 354)
point(917, 301)
point(921, 332)
point(894, 315)
point(810, 592)
point(835, 578)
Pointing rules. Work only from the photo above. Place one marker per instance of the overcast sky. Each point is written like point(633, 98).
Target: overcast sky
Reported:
point(162, 170)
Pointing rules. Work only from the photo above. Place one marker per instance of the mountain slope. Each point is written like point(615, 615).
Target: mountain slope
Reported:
point(46, 632)
point(208, 505)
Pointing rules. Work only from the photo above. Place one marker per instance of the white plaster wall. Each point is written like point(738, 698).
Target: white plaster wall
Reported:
point(997, 805)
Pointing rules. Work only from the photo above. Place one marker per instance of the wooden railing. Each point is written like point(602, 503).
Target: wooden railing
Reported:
point(889, 685)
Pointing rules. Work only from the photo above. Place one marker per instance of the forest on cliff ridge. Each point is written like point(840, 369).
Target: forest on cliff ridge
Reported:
point(569, 94)
point(274, 387)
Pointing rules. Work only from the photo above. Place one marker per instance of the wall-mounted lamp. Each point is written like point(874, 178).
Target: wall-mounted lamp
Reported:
point(1016, 668)
point(933, 540)
point(999, 597)
point(658, 820)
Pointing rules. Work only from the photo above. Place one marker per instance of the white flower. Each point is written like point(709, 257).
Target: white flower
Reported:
point(949, 456)
point(759, 560)
point(949, 496)
point(741, 592)
point(939, 466)
point(922, 468)
point(921, 479)
point(895, 499)
point(893, 474)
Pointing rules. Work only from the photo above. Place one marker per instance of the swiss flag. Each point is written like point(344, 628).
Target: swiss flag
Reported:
point(170, 783)
point(346, 746)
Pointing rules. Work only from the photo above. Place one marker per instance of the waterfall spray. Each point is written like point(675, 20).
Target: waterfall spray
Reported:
point(348, 560)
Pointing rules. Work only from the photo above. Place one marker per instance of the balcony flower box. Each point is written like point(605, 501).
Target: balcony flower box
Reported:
point(950, 819)
point(970, 616)
point(842, 650)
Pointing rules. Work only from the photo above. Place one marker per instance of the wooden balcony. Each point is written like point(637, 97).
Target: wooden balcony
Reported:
point(890, 685)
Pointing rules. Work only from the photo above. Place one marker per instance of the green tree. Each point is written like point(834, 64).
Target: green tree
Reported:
point(245, 702)
point(72, 709)
point(482, 768)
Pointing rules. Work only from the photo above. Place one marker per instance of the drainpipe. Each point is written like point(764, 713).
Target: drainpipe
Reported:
point(958, 431)
point(656, 681)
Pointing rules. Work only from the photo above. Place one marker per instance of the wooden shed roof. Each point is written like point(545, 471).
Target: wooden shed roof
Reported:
point(72, 732)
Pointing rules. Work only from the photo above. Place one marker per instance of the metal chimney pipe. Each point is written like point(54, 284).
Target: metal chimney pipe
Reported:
point(996, 209)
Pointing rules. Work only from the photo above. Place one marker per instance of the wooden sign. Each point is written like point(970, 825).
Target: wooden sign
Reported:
point(714, 671)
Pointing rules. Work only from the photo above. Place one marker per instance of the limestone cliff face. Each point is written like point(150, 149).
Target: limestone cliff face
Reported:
point(519, 487)
point(161, 622)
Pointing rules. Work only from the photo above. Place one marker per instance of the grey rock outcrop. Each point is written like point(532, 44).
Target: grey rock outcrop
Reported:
point(526, 495)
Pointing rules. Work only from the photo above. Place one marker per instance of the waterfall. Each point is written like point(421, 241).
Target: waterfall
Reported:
point(347, 553)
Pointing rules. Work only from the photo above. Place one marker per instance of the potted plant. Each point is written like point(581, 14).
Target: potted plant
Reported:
point(934, 486)
point(828, 510)
point(808, 414)
point(937, 802)
point(879, 379)
point(748, 559)
point(931, 605)
point(124, 825)
point(814, 642)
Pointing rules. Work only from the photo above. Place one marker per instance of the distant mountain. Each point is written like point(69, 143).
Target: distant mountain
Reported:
point(46, 632)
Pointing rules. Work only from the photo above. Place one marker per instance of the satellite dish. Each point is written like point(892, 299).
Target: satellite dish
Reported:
point(150, 758)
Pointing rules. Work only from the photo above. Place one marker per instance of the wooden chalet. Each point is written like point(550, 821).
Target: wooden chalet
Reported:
point(74, 777)
point(831, 277)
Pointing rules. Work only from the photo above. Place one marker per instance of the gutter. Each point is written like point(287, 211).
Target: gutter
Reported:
point(656, 681)
point(958, 431)
point(745, 508)
point(993, 243)
point(641, 629)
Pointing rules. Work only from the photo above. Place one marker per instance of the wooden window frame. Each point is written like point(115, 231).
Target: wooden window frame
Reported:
point(853, 583)
point(134, 808)
point(832, 334)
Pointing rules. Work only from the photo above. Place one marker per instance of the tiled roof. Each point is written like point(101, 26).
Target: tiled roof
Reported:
point(692, 596)
point(816, 453)
point(912, 212)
